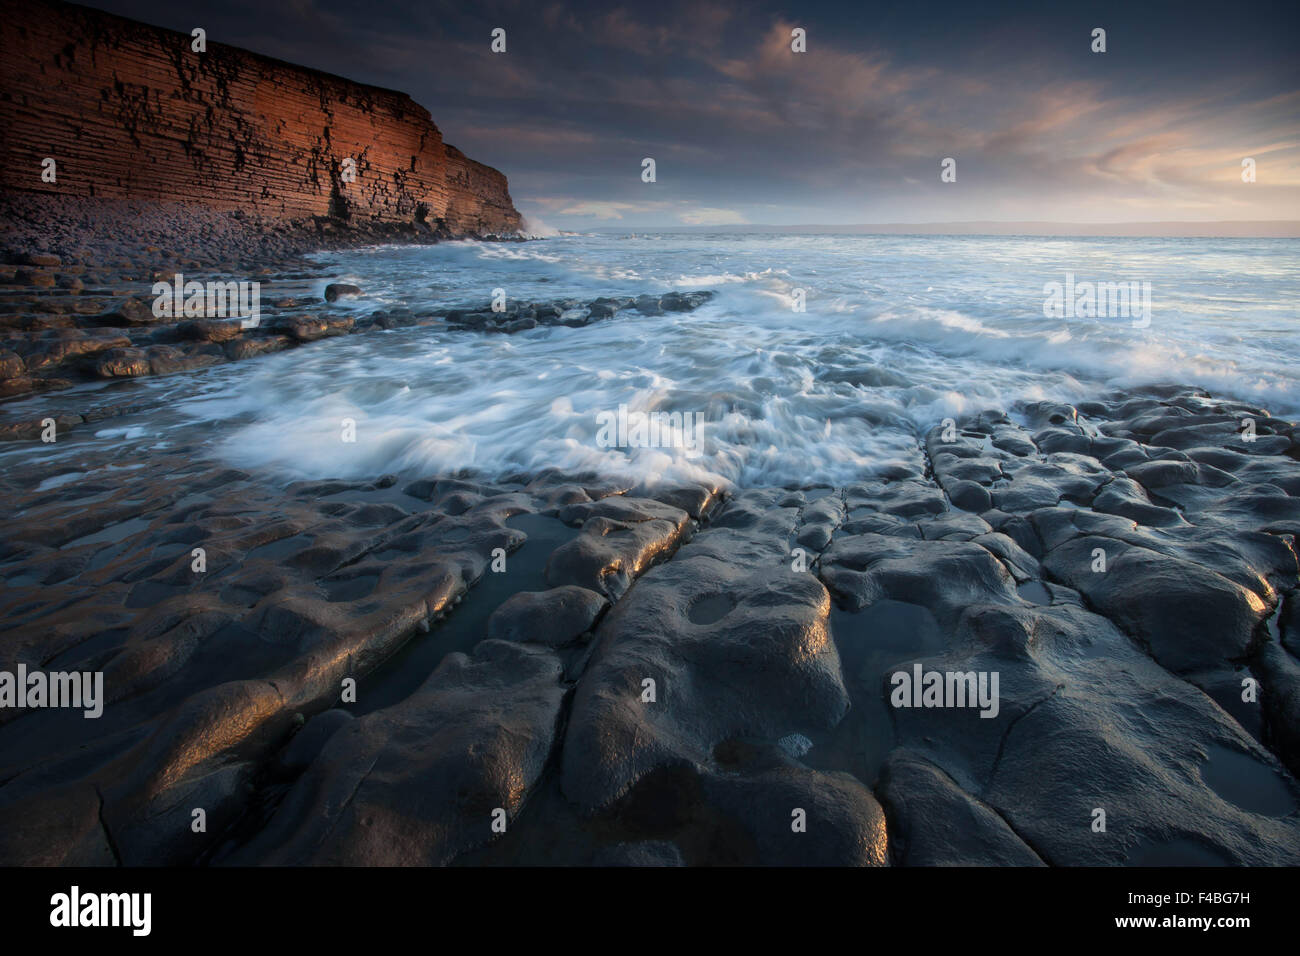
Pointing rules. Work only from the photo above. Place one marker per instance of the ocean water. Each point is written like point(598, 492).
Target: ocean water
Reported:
point(898, 333)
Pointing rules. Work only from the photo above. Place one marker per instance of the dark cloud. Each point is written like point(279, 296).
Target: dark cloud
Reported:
point(742, 129)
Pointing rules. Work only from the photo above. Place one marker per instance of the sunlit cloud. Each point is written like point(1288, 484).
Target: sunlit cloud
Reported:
point(705, 216)
point(744, 129)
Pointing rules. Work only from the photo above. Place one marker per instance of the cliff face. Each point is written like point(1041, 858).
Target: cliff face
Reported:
point(129, 111)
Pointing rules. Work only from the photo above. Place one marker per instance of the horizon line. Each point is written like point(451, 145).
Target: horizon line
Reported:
point(1208, 228)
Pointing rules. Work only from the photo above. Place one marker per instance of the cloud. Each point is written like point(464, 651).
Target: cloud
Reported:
point(706, 216)
point(588, 208)
point(745, 129)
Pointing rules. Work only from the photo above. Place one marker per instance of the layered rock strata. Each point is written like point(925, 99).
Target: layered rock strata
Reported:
point(129, 111)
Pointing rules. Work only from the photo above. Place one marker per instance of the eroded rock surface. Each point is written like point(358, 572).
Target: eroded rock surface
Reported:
point(676, 675)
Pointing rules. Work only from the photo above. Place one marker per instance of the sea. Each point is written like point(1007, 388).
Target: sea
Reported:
point(821, 359)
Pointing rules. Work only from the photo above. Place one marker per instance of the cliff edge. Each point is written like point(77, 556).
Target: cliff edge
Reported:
point(129, 111)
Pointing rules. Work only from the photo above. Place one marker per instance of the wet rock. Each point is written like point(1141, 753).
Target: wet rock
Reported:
point(337, 290)
point(419, 783)
point(60, 827)
point(605, 308)
point(213, 678)
point(648, 305)
point(309, 328)
point(165, 359)
point(32, 429)
point(845, 826)
point(1191, 617)
point(756, 638)
point(555, 617)
point(954, 526)
point(37, 278)
point(969, 496)
point(934, 822)
point(697, 501)
point(211, 330)
point(945, 576)
point(123, 363)
point(1119, 690)
point(128, 312)
point(249, 347)
point(1157, 474)
point(574, 318)
point(1289, 622)
point(1088, 722)
point(1022, 565)
point(620, 538)
point(40, 259)
point(11, 366)
point(1041, 414)
point(307, 743)
point(1279, 675)
point(979, 471)
point(1124, 496)
point(49, 352)
point(1061, 440)
point(683, 301)
point(471, 320)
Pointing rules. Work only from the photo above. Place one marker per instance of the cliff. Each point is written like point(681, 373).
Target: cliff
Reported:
point(129, 111)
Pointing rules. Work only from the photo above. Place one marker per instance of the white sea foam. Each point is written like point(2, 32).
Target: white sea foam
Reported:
point(899, 333)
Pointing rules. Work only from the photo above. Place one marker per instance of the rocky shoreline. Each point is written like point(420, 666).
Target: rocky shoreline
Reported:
point(137, 237)
point(442, 670)
point(76, 283)
point(1041, 635)
point(72, 335)
point(63, 322)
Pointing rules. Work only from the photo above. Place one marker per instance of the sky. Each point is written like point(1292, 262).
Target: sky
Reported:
point(743, 129)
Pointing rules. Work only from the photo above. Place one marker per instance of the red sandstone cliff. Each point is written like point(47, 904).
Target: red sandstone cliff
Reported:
point(127, 110)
